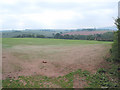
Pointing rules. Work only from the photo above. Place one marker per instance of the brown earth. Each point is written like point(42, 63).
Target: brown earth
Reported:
point(85, 32)
point(59, 60)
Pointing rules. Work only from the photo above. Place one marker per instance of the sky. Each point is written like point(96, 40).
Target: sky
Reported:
point(57, 14)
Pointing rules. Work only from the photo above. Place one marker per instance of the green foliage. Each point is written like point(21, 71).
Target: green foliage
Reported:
point(26, 33)
point(88, 30)
point(115, 51)
point(49, 33)
point(101, 70)
point(98, 80)
point(29, 36)
point(40, 36)
point(117, 23)
point(57, 36)
point(106, 78)
point(108, 36)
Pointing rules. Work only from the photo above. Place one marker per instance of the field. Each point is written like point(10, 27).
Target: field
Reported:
point(86, 32)
point(10, 34)
point(46, 33)
point(34, 62)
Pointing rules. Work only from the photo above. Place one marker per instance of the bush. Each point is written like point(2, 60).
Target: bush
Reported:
point(115, 51)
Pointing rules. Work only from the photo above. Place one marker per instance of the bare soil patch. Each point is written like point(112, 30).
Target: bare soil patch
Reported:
point(85, 32)
point(28, 60)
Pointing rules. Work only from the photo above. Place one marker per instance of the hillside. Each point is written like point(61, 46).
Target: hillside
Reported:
point(86, 32)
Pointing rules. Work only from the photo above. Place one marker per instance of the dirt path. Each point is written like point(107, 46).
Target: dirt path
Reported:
point(28, 60)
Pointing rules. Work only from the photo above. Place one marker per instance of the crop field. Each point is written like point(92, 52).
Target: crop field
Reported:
point(86, 32)
point(43, 63)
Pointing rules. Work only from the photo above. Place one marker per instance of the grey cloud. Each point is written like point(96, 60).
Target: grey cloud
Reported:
point(24, 7)
point(98, 19)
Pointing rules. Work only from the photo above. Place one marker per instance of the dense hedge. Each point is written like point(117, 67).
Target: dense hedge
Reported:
point(115, 51)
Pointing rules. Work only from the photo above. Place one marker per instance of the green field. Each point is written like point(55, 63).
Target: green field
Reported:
point(9, 42)
point(70, 63)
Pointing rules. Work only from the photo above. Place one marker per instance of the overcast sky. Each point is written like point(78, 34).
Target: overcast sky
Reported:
point(57, 14)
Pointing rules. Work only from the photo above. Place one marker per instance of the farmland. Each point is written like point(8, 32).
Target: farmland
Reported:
point(86, 32)
point(45, 32)
point(23, 58)
point(50, 33)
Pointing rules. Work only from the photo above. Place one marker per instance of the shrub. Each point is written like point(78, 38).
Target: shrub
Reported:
point(115, 51)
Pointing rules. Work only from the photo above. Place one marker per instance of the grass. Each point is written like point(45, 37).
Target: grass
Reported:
point(41, 81)
point(102, 78)
point(10, 42)
point(98, 80)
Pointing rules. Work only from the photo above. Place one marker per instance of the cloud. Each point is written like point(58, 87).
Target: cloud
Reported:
point(21, 14)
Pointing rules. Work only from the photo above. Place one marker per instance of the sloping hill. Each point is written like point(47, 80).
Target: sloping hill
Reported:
point(86, 32)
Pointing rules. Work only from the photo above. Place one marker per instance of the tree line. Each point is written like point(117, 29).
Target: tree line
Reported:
point(29, 36)
point(108, 36)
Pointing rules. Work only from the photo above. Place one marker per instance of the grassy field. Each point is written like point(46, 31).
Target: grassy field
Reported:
point(68, 63)
point(10, 42)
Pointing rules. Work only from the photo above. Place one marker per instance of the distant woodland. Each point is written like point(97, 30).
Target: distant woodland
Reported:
point(59, 34)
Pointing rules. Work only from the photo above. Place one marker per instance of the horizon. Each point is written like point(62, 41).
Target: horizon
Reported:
point(97, 29)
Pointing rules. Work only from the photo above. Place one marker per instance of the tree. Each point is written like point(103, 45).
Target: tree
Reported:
point(57, 36)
